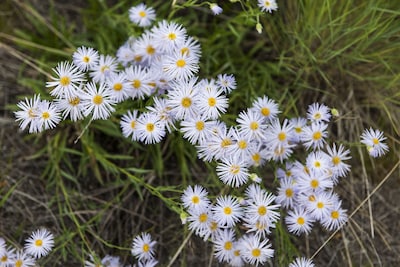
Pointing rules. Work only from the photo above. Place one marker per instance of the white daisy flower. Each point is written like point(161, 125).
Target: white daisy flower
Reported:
point(298, 125)
point(129, 123)
point(119, 86)
point(150, 129)
point(226, 82)
point(7, 256)
point(216, 9)
point(299, 221)
point(101, 71)
point(314, 135)
point(287, 193)
point(126, 55)
point(40, 243)
point(268, 108)
point(336, 219)
point(164, 113)
point(268, 5)
point(212, 102)
point(180, 66)
point(337, 157)
point(67, 80)
point(227, 211)
point(142, 15)
point(251, 124)
point(318, 113)
point(85, 58)
point(145, 47)
point(374, 140)
point(48, 115)
point(71, 107)
point(196, 129)
point(22, 259)
point(97, 101)
point(255, 251)
point(200, 220)
point(195, 197)
point(28, 113)
point(143, 247)
point(224, 245)
point(233, 171)
point(139, 82)
point(190, 47)
point(168, 35)
point(182, 98)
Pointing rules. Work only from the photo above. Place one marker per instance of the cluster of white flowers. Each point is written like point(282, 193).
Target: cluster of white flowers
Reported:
point(159, 68)
point(142, 249)
point(38, 245)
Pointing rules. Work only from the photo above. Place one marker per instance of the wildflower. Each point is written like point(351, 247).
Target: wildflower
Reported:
point(242, 147)
point(67, 80)
point(111, 261)
point(126, 55)
point(146, 48)
point(142, 15)
point(320, 203)
point(40, 243)
point(267, 5)
point(237, 260)
point(319, 162)
point(336, 218)
point(298, 125)
point(22, 259)
point(223, 245)
point(97, 101)
point(251, 124)
point(219, 144)
point(85, 58)
point(103, 69)
point(318, 113)
point(302, 262)
point(168, 36)
point(314, 135)
point(255, 251)
point(299, 221)
point(287, 193)
point(180, 66)
point(28, 113)
point(71, 107)
point(143, 247)
point(48, 115)
point(129, 125)
point(196, 129)
point(163, 112)
point(267, 107)
point(227, 211)
point(7, 256)
point(190, 47)
point(216, 9)
point(200, 220)
point(150, 129)
point(139, 82)
point(182, 97)
point(226, 82)
point(260, 208)
point(119, 86)
point(233, 171)
point(337, 157)
point(212, 102)
point(195, 198)
point(373, 139)
point(277, 136)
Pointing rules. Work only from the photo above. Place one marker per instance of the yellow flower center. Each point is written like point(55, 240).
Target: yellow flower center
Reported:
point(133, 124)
point(195, 200)
point(146, 248)
point(136, 83)
point(317, 135)
point(254, 125)
point(242, 144)
point(300, 220)
point(236, 253)
point(97, 99)
point(311, 198)
point(212, 101)
point(104, 68)
point(172, 36)
point(39, 242)
point(117, 87)
point(317, 164)
point(199, 125)
point(336, 160)
point(45, 115)
point(74, 101)
point(335, 214)
point(314, 183)
point(289, 192)
point(186, 102)
point(282, 136)
point(65, 81)
point(375, 141)
point(150, 127)
point(203, 217)
point(185, 50)
point(137, 58)
point(150, 50)
point(226, 142)
point(31, 113)
point(265, 111)
point(142, 14)
point(256, 157)
point(320, 205)
point(234, 169)
point(317, 116)
point(213, 226)
point(18, 263)
point(298, 129)
point(180, 63)
point(86, 59)
point(256, 252)
point(228, 245)
point(228, 210)
point(262, 210)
